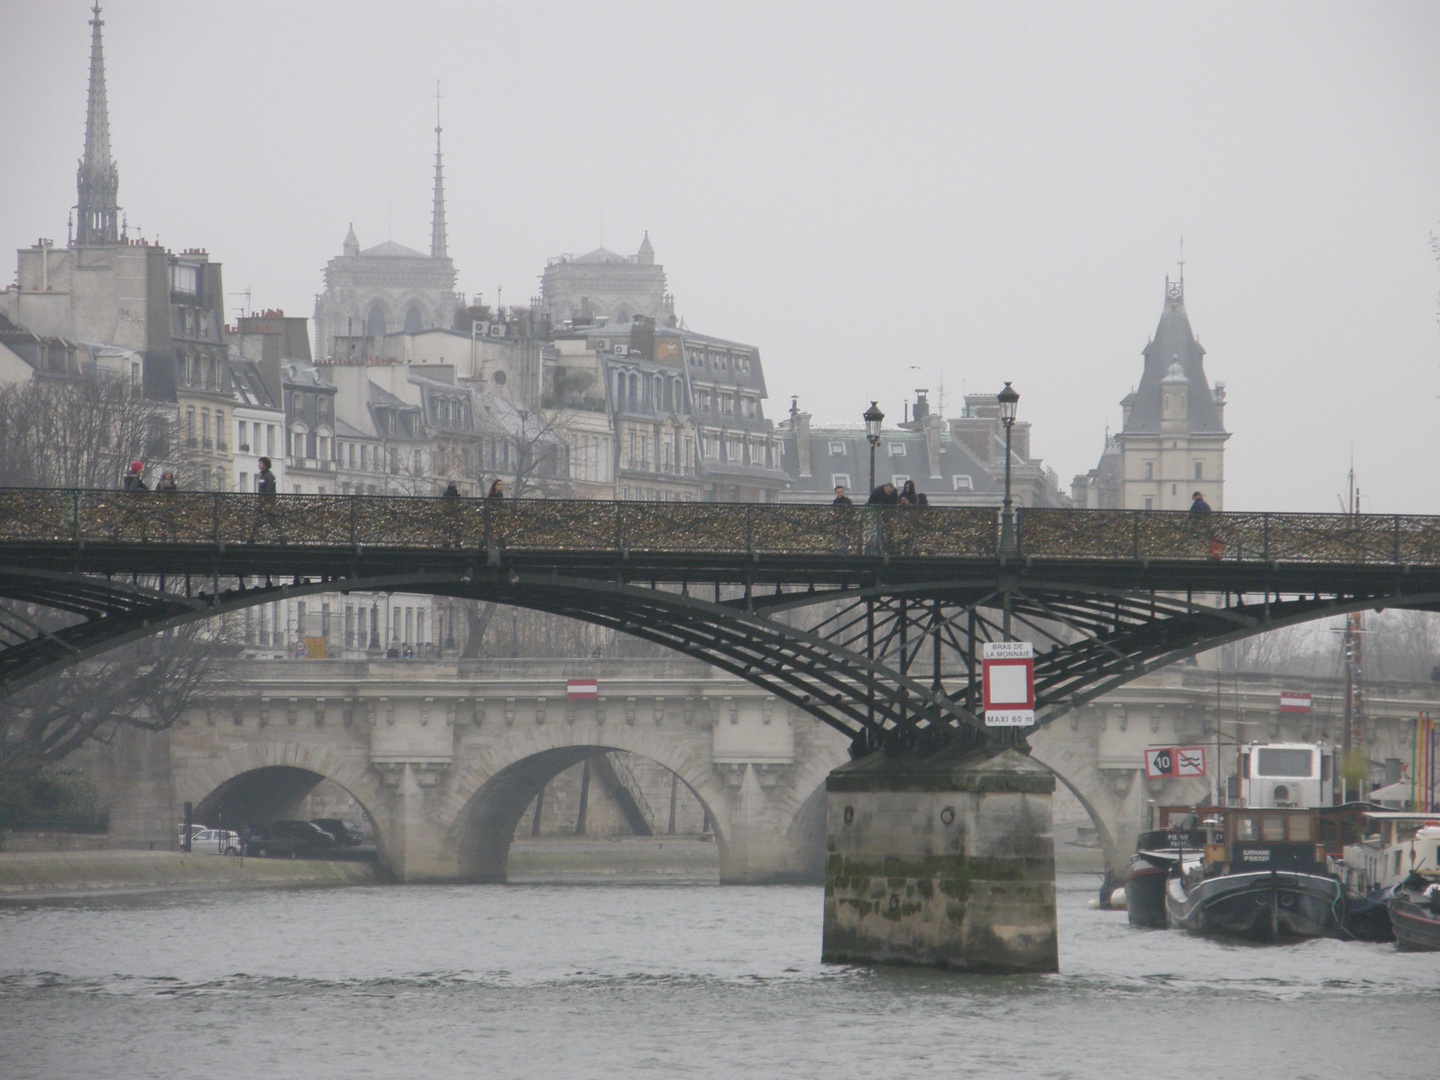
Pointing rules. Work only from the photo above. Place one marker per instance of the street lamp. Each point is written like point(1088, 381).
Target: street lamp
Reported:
point(873, 419)
point(1008, 399)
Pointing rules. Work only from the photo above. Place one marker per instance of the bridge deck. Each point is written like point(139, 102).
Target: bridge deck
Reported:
point(110, 531)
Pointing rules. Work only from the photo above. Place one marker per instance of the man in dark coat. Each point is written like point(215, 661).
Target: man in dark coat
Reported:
point(841, 499)
point(884, 495)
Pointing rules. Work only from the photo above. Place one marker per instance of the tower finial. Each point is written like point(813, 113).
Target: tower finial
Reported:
point(437, 215)
point(97, 180)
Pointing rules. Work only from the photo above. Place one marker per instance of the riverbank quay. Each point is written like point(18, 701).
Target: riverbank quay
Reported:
point(36, 875)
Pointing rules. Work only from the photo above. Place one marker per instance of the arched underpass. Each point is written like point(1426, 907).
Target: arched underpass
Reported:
point(483, 832)
point(258, 797)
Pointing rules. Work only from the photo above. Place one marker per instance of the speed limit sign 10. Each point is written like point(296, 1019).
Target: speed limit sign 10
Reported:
point(1160, 761)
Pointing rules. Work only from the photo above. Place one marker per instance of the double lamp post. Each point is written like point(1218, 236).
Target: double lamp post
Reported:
point(1008, 399)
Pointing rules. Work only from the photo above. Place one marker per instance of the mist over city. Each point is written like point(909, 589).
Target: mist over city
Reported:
point(568, 539)
point(876, 198)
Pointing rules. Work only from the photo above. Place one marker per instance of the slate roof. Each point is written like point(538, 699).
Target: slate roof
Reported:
point(600, 255)
point(391, 250)
point(854, 460)
point(1174, 341)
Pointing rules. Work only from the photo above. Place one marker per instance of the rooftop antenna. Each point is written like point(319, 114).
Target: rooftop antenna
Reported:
point(245, 310)
point(1182, 260)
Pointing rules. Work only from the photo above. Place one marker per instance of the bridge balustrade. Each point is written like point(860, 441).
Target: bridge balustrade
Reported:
point(31, 515)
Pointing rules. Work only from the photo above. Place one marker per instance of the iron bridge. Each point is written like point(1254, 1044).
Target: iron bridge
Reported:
point(869, 618)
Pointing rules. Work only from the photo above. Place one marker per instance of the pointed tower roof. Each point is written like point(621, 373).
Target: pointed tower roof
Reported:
point(1173, 346)
point(437, 215)
point(647, 252)
point(352, 242)
point(97, 180)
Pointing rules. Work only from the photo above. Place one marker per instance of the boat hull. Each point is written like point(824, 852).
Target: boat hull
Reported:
point(1367, 918)
point(1416, 924)
point(1265, 906)
point(1145, 891)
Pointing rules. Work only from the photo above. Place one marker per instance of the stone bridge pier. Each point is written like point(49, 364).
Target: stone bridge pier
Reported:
point(445, 757)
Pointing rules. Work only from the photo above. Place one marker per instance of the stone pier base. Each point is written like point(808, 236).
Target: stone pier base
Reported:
point(946, 861)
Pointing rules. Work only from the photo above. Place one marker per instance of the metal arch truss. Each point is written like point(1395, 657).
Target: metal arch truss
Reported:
point(891, 666)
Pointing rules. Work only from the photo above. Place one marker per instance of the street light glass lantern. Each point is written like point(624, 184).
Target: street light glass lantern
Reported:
point(1008, 399)
point(873, 419)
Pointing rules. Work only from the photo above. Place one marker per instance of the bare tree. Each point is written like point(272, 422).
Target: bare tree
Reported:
point(146, 685)
point(79, 433)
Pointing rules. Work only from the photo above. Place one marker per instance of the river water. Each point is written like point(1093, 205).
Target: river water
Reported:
point(661, 981)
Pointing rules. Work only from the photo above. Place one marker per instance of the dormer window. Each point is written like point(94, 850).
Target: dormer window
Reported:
point(897, 449)
point(837, 449)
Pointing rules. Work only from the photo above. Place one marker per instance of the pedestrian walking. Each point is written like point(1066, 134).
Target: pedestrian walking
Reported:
point(1200, 514)
point(266, 512)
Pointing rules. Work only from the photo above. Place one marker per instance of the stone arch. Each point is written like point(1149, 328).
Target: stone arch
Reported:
point(485, 802)
point(807, 834)
point(293, 769)
point(414, 320)
point(1080, 772)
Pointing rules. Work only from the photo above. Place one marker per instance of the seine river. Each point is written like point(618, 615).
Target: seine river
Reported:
point(661, 981)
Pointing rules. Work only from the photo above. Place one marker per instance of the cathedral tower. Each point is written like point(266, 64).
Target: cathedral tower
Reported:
point(97, 179)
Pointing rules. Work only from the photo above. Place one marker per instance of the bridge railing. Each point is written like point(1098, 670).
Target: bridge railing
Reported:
point(30, 515)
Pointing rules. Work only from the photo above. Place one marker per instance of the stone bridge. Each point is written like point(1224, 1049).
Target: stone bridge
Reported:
point(445, 756)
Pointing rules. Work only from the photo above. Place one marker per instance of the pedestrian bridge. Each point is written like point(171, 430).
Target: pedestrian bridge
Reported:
point(868, 618)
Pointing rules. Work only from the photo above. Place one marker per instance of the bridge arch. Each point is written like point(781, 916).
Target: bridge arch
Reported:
point(267, 779)
point(484, 804)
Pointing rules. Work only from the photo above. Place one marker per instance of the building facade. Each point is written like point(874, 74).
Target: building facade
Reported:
point(1172, 436)
point(603, 288)
point(388, 287)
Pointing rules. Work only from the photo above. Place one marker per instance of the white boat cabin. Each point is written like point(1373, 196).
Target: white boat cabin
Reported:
point(1287, 775)
point(1397, 844)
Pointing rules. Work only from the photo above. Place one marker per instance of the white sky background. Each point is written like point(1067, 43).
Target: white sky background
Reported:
point(987, 192)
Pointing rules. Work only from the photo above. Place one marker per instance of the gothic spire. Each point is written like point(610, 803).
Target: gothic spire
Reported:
point(97, 179)
point(437, 217)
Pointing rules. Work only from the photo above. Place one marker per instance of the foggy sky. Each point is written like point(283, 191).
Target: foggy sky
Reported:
point(877, 196)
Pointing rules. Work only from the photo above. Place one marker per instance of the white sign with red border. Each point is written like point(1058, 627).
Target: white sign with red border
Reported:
point(1294, 701)
point(1007, 681)
point(582, 688)
point(1162, 761)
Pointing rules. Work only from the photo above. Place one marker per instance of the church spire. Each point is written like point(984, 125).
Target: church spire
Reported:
point(437, 217)
point(97, 179)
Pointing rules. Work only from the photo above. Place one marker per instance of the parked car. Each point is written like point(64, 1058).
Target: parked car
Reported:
point(307, 839)
point(347, 833)
point(215, 842)
point(195, 827)
point(263, 845)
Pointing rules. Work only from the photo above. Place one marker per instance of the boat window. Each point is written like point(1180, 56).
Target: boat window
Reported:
point(1272, 827)
point(1276, 762)
point(1244, 828)
point(1300, 827)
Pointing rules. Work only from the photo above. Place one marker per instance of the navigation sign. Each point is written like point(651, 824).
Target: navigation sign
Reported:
point(582, 688)
point(1007, 680)
point(1294, 701)
point(1162, 761)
